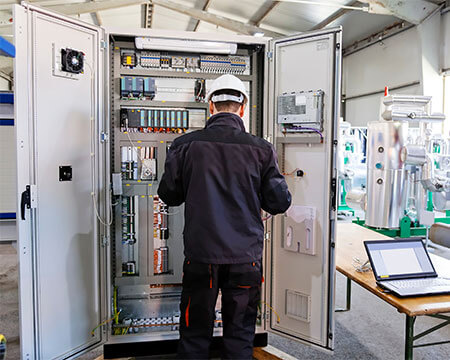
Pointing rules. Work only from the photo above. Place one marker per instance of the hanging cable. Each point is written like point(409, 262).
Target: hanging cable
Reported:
point(92, 128)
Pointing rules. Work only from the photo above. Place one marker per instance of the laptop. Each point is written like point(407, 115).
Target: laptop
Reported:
point(405, 268)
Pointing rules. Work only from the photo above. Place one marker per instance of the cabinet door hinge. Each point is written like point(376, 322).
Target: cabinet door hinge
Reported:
point(103, 44)
point(333, 191)
point(269, 54)
point(105, 241)
point(267, 235)
point(104, 137)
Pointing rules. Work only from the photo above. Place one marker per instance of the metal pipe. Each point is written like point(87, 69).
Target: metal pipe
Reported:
point(413, 83)
point(440, 234)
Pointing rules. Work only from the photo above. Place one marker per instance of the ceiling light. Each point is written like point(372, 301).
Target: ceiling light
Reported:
point(211, 47)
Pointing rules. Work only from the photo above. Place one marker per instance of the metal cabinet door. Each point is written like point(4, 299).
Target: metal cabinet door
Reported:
point(62, 168)
point(300, 251)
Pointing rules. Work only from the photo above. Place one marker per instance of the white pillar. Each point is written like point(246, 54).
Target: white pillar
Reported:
point(430, 45)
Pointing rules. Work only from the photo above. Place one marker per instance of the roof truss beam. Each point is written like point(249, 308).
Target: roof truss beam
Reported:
point(333, 17)
point(92, 7)
point(263, 11)
point(204, 8)
point(412, 11)
point(227, 23)
point(97, 18)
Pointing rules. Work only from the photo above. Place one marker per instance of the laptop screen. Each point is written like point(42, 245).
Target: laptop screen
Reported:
point(399, 259)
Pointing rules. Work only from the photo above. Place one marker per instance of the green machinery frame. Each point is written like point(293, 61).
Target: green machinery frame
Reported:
point(407, 227)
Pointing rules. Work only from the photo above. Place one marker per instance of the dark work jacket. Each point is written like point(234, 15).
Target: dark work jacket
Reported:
point(224, 176)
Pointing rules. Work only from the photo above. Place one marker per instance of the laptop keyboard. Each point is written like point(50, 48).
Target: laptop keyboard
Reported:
point(420, 283)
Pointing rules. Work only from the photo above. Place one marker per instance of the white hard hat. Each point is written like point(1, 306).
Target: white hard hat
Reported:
point(224, 82)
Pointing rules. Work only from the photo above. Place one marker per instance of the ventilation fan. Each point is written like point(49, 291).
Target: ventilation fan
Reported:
point(72, 61)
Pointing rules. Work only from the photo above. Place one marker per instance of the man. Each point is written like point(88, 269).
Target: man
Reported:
point(224, 176)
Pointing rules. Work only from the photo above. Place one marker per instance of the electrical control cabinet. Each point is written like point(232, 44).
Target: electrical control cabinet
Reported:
point(100, 254)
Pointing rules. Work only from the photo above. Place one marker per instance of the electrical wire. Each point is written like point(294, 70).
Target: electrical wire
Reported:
point(273, 310)
point(94, 200)
point(104, 322)
point(310, 129)
point(291, 173)
point(116, 314)
point(361, 266)
point(92, 126)
point(197, 95)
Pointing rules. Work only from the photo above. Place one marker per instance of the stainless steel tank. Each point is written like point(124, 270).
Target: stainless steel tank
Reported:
point(386, 176)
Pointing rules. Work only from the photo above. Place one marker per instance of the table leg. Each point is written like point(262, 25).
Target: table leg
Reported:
point(409, 337)
point(348, 298)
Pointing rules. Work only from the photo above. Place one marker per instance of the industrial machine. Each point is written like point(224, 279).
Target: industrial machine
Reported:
point(408, 168)
point(352, 167)
point(97, 110)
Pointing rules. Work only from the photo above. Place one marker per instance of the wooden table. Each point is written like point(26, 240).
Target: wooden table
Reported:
point(350, 247)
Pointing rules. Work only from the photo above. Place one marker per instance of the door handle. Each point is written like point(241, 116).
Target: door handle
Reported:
point(25, 201)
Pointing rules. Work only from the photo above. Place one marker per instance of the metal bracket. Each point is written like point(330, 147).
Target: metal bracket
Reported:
point(33, 196)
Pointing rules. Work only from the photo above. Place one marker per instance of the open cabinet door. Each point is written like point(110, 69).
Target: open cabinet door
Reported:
point(303, 107)
point(61, 182)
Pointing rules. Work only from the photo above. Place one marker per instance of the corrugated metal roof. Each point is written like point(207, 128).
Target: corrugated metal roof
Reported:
point(284, 18)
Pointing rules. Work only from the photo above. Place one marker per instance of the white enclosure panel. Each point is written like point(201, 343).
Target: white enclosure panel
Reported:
point(446, 127)
point(393, 62)
point(445, 24)
point(68, 305)
point(8, 230)
point(302, 274)
point(7, 168)
point(360, 111)
point(63, 242)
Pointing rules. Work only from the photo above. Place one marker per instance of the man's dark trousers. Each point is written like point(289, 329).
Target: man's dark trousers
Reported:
point(240, 286)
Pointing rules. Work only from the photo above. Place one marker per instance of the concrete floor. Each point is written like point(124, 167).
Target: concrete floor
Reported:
point(371, 330)
point(9, 300)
